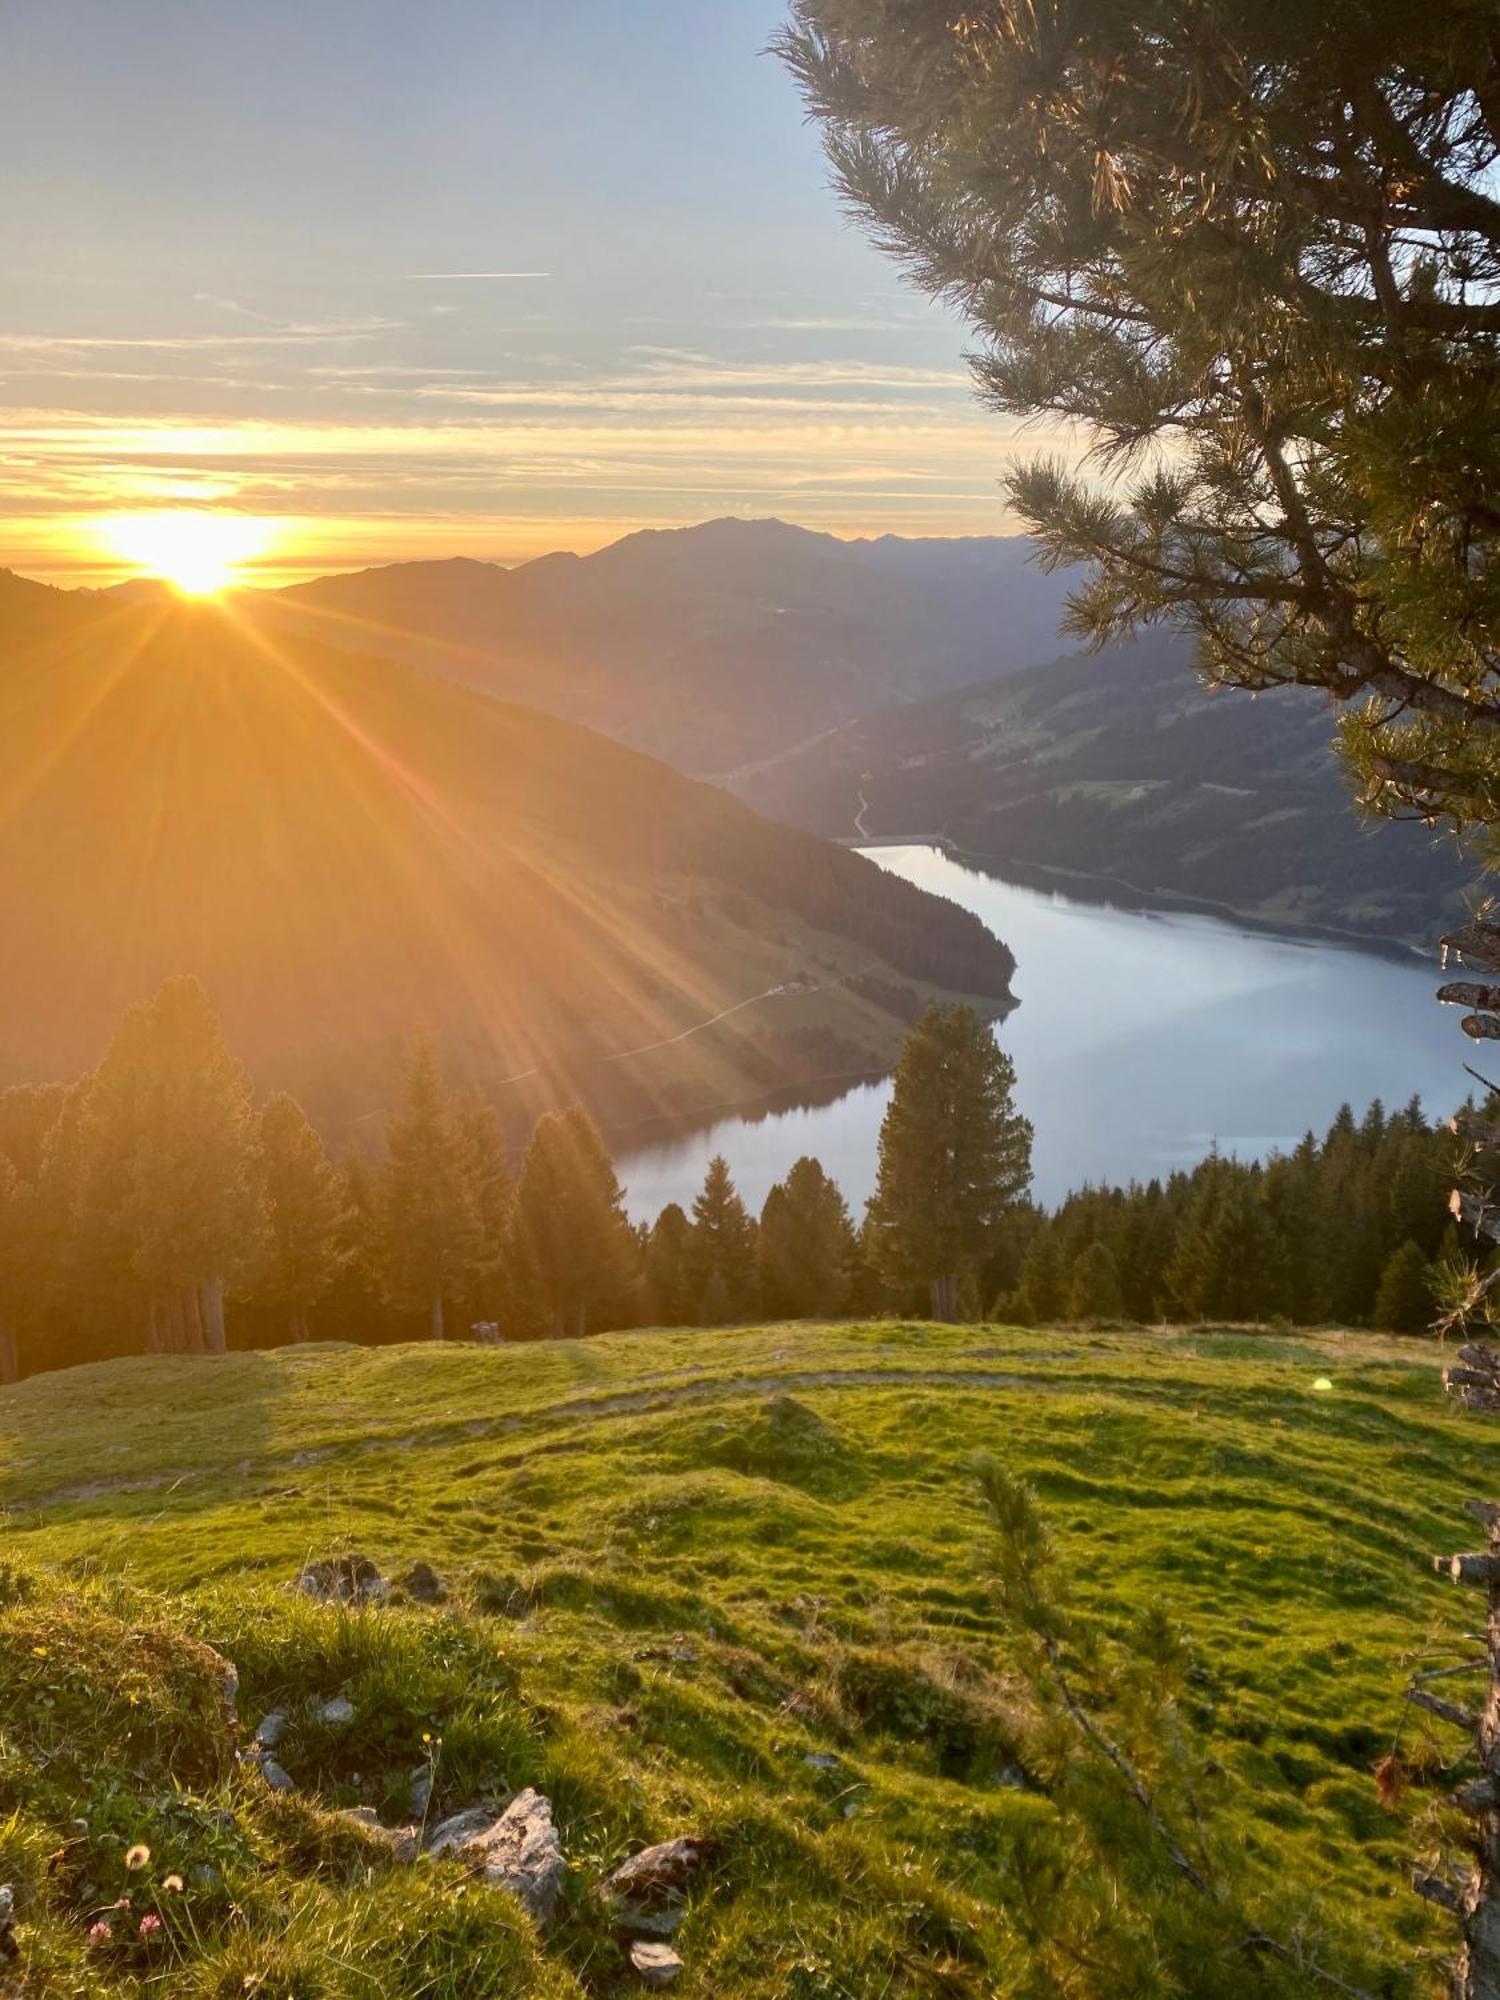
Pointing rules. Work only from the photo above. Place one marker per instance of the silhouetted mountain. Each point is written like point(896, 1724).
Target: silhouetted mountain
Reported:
point(707, 646)
point(342, 848)
point(1121, 768)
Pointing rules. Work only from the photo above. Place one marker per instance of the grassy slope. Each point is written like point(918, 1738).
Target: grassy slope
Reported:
point(592, 1502)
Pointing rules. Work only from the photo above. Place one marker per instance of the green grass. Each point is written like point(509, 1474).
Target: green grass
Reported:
point(670, 1589)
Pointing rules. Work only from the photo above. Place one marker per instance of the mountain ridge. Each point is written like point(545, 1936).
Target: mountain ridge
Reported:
point(343, 848)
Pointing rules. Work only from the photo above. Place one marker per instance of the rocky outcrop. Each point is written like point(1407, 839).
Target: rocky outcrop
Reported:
point(349, 1579)
point(519, 1852)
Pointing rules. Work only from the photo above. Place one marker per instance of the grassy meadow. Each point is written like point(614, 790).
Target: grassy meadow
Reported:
point(731, 1584)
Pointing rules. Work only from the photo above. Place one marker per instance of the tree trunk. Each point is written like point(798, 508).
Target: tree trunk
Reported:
point(582, 1323)
point(297, 1324)
point(943, 1297)
point(211, 1313)
point(156, 1332)
point(10, 1355)
point(192, 1321)
point(438, 1329)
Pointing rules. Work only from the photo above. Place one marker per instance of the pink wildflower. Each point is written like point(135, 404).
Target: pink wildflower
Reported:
point(150, 1924)
point(101, 1932)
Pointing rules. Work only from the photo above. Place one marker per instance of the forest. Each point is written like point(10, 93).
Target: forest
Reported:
point(154, 1206)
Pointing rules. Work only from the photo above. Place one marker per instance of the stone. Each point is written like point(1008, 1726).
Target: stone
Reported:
point(648, 1893)
point(423, 1584)
point(403, 1841)
point(456, 1832)
point(344, 1580)
point(275, 1776)
point(657, 1964)
point(821, 1760)
point(337, 1713)
point(271, 1728)
point(519, 1852)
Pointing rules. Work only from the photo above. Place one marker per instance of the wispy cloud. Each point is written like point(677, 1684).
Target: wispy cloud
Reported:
point(469, 277)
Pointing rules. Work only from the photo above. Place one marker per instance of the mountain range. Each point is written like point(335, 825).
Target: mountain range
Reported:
point(1117, 773)
point(707, 646)
point(344, 848)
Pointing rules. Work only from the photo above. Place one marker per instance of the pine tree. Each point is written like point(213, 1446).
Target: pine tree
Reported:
point(306, 1222)
point(1094, 1287)
point(806, 1246)
point(572, 1234)
point(954, 1156)
point(1404, 1302)
point(428, 1223)
point(721, 1255)
point(1267, 240)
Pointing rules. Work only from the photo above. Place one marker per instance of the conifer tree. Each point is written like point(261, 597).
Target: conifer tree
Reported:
point(306, 1223)
point(666, 1261)
point(572, 1234)
point(1094, 1286)
point(168, 1176)
point(1404, 1303)
point(721, 1255)
point(1268, 239)
point(955, 1154)
point(806, 1246)
point(428, 1224)
point(491, 1292)
point(1042, 1283)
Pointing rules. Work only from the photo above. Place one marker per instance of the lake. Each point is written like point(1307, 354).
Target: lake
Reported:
point(1142, 1038)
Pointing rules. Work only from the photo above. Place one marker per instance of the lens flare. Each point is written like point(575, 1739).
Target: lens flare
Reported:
point(197, 553)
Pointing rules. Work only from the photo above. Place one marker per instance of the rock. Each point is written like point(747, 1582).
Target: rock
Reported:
point(271, 1728)
point(338, 1713)
point(657, 1964)
point(649, 1891)
point(821, 1760)
point(519, 1852)
point(275, 1776)
point(456, 1833)
point(403, 1841)
point(344, 1580)
point(7, 1904)
point(10, 1951)
point(423, 1584)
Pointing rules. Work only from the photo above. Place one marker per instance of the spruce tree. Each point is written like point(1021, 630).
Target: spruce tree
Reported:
point(306, 1222)
point(721, 1254)
point(1042, 1283)
point(666, 1263)
point(1094, 1286)
point(1404, 1303)
point(491, 1291)
point(428, 1223)
point(170, 1202)
point(806, 1246)
point(955, 1154)
point(572, 1235)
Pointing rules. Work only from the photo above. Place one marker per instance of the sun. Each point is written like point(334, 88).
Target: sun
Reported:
point(198, 553)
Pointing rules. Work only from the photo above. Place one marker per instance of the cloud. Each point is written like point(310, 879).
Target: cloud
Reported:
point(469, 277)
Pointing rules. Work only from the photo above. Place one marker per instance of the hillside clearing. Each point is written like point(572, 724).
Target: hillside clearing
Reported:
point(727, 1584)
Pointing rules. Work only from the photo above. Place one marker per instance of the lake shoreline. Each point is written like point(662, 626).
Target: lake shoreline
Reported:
point(1113, 892)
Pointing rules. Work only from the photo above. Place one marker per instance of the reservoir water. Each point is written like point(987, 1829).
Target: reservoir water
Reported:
point(1142, 1038)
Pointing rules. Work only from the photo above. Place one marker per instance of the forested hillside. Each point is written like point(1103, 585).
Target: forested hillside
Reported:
point(343, 849)
point(1116, 767)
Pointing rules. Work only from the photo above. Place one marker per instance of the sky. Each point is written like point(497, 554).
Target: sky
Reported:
point(469, 277)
